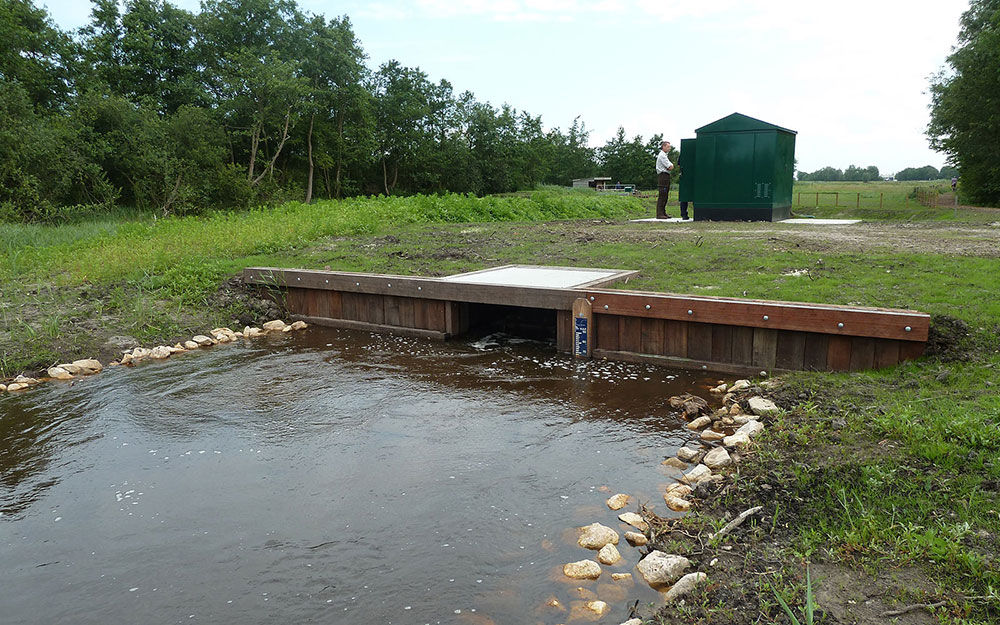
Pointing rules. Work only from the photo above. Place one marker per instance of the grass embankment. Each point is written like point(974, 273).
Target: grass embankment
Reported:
point(67, 287)
point(887, 482)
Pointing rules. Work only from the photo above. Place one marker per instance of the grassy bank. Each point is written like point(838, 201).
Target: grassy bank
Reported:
point(887, 483)
point(154, 279)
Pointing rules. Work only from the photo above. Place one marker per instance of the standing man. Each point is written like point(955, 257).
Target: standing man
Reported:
point(663, 168)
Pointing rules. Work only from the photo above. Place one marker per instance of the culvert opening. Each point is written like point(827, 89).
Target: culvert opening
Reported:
point(536, 324)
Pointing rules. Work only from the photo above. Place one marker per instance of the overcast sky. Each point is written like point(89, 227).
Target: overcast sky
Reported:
point(851, 77)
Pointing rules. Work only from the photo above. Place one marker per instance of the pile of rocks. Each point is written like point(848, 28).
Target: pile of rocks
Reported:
point(88, 366)
point(723, 434)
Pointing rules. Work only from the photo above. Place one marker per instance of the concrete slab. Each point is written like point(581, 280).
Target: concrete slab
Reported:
point(669, 220)
point(821, 222)
point(547, 277)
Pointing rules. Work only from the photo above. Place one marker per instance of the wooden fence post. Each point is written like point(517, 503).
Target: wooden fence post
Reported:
point(881, 196)
point(858, 205)
point(836, 198)
point(817, 199)
point(798, 199)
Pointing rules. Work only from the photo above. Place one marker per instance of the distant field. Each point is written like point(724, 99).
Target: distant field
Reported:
point(883, 200)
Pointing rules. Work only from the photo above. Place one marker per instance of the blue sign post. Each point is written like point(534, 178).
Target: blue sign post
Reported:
point(582, 334)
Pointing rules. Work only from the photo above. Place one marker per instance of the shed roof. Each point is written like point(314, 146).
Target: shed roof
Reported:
point(740, 122)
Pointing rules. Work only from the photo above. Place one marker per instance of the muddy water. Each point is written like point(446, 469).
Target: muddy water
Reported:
point(327, 477)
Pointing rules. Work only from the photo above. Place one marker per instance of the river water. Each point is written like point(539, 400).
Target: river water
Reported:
point(328, 477)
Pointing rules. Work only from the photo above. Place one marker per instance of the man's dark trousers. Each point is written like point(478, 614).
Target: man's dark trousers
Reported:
point(663, 182)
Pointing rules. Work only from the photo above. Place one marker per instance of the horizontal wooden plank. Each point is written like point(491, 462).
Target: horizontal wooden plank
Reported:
point(675, 362)
point(825, 319)
point(379, 328)
point(408, 286)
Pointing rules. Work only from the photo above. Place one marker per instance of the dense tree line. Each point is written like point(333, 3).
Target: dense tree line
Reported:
point(867, 174)
point(965, 103)
point(250, 101)
point(927, 172)
point(851, 174)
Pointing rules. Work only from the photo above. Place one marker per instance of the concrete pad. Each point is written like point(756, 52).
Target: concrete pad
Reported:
point(669, 220)
point(548, 277)
point(821, 222)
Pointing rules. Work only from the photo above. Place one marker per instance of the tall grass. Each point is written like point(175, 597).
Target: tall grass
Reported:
point(107, 251)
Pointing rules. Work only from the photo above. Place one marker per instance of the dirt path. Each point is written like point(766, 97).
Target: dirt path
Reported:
point(924, 237)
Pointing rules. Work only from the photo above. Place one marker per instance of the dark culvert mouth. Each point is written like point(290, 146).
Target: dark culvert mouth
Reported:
point(535, 324)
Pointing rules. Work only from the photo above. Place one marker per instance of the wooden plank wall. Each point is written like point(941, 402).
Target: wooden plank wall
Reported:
point(742, 347)
point(693, 344)
point(384, 310)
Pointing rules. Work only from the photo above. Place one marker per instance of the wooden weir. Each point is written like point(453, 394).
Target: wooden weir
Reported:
point(727, 335)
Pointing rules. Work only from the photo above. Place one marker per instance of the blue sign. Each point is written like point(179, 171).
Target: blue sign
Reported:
point(580, 336)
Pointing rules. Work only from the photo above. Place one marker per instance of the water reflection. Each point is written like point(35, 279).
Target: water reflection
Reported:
point(326, 477)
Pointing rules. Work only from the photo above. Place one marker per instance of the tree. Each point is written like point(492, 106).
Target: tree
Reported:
point(826, 174)
point(144, 52)
point(927, 172)
point(965, 100)
point(35, 54)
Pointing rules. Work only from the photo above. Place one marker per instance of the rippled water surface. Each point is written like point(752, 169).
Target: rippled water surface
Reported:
point(327, 477)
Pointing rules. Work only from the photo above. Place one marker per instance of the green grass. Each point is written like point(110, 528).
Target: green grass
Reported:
point(153, 278)
point(892, 201)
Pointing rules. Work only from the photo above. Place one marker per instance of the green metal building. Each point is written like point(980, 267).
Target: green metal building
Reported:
point(738, 169)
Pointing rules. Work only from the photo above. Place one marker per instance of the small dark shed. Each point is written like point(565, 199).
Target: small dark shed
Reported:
point(739, 169)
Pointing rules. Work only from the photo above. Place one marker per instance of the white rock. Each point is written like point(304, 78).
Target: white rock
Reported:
point(595, 536)
point(679, 490)
point(659, 569)
point(739, 385)
point(159, 352)
point(88, 365)
point(608, 554)
point(698, 474)
point(191, 345)
point(699, 423)
point(718, 390)
point(252, 332)
point(70, 368)
point(684, 586)
point(287, 329)
point(717, 458)
point(277, 325)
point(299, 325)
point(620, 576)
point(598, 607)
point(177, 348)
point(617, 502)
point(636, 539)
point(687, 454)
point(676, 504)
point(202, 340)
point(634, 520)
point(215, 331)
point(23, 379)
point(16, 386)
point(3, 387)
point(584, 569)
point(633, 621)
point(711, 435)
point(751, 429)
point(126, 358)
point(763, 407)
point(223, 338)
point(58, 373)
point(139, 353)
point(737, 439)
